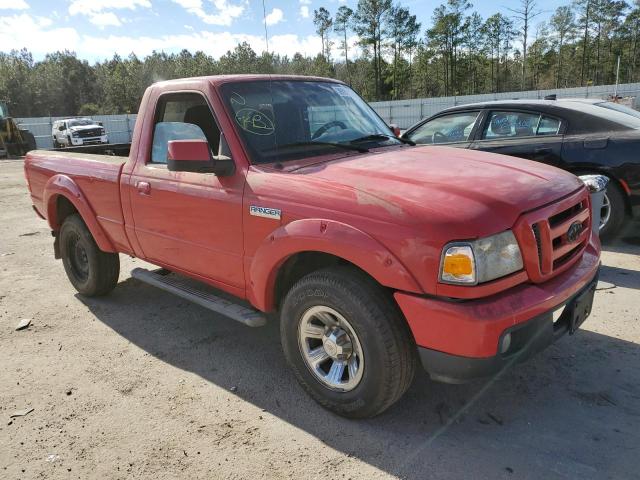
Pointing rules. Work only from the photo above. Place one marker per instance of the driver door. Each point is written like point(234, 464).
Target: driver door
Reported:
point(452, 129)
point(189, 221)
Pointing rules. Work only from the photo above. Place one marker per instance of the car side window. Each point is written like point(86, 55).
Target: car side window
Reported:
point(455, 127)
point(548, 126)
point(511, 124)
point(183, 116)
point(519, 124)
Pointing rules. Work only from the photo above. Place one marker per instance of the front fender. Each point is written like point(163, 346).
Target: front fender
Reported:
point(62, 185)
point(335, 238)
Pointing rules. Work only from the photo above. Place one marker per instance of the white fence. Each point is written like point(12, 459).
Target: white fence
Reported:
point(405, 113)
point(119, 127)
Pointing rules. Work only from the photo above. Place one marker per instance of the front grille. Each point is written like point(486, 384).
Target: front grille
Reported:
point(93, 132)
point(554, 237)
point(536, 233)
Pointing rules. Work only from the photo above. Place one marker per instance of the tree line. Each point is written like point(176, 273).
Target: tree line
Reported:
point(460, 53)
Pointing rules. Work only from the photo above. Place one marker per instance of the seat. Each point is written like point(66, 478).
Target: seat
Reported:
point(500, 125)
point(523, 126)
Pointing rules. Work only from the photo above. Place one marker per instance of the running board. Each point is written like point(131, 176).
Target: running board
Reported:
point(235, 311)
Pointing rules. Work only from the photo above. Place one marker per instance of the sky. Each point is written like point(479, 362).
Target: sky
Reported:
point(96, 29)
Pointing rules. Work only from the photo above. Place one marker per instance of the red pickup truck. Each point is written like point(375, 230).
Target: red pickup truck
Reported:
point(257, 194)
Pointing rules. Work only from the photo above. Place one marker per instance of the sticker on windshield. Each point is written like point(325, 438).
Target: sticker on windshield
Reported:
point(253, 121)
point(237, 98)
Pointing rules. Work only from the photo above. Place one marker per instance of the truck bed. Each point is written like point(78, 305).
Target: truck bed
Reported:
point(117, 149)
point(96, 176)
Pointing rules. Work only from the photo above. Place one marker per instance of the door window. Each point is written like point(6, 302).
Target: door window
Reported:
point(183, 116)
point(456, 127)
point(519, 124)
point(548, 126)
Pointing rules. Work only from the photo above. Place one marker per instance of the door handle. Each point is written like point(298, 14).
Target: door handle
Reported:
point(543, 150)
point(144, 188)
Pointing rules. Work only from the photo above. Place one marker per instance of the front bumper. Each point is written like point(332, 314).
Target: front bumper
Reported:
point(527, 339)
point(459, 340)
point(77, 141)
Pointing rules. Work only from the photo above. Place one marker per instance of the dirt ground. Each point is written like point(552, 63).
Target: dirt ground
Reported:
point(140, 384)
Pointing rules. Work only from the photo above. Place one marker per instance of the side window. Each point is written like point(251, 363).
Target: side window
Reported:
point(548, 126)
point(519, 124)
point(446, 129)
point(511, 124)
point(183, 116)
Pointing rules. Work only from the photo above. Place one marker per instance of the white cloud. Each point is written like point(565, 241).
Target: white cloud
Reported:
point(99, 12)
point(105, 19)
point(274, 17)
point(304, 11)
point(13, 5)
point(213, 43)
point(35, 34)
point(88, 7)
point(25, 31)
point(225, 14)
point(305, 2)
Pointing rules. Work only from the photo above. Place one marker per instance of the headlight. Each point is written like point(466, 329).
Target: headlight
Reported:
point(483, 260)
point(75, 134)
point(103, 132)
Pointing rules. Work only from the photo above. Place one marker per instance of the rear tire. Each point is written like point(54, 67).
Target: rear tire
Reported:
point(369, 328)
point(617, 212)
point(90, 270)
point(30, 142)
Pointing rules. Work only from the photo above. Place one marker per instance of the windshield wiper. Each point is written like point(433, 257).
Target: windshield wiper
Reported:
point(344, 146)
point(381, 136)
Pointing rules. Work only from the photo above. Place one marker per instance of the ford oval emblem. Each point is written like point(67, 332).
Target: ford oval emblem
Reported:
point(574, 231)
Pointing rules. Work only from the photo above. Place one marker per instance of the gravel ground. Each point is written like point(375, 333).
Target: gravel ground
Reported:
point(140, 384)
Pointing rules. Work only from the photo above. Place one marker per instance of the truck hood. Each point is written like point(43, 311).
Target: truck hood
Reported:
point(80, 128)
point(474, 193)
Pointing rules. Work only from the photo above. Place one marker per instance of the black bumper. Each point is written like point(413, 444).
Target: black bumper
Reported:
point(527, 339)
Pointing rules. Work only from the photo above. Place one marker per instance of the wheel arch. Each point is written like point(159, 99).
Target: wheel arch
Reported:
point(612, 178)
point(63, 197)
point(303, 246)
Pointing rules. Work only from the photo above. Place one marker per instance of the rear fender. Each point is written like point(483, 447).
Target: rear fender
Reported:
point(62, 185)
point(335, 238)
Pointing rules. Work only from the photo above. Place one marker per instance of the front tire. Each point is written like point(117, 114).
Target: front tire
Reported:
point(90, 270)
point(347, 343)
point(613, 212)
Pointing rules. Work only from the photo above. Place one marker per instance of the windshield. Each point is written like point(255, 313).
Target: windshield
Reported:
point(619, 108)
point(284, 120)
point(80, 122)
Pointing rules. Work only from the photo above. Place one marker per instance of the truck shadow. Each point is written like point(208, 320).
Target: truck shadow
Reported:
point(553, 414)
point(620, 277)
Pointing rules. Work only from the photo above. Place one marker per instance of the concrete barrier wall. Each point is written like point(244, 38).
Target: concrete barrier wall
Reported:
point(119, 127)
point(403, 113)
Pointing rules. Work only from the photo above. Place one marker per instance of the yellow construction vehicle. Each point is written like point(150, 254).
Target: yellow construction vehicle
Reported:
point(13, 139)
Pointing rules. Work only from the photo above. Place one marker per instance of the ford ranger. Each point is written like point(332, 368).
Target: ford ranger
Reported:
point(262, 194)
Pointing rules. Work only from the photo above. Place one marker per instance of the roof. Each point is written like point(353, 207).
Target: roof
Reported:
point(220, 79)
point(561, 102)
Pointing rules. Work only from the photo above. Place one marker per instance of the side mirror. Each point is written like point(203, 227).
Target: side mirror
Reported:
point(395, 129)
point(195, 156)
point(61, 128)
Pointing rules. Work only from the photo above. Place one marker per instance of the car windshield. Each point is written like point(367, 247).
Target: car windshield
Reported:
point(80, 122)
point(619, 108)
point(292, 119)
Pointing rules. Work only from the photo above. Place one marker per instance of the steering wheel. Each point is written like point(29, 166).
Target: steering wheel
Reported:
point(438, 135)
point(323, 129)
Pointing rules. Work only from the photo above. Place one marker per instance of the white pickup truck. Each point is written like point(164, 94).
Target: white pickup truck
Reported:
point(76, 132)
